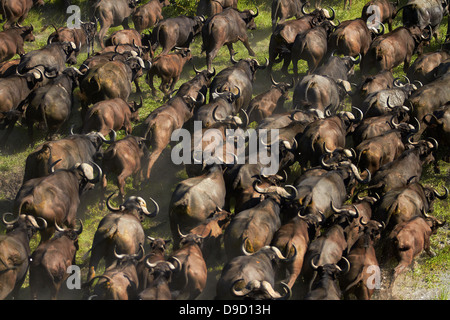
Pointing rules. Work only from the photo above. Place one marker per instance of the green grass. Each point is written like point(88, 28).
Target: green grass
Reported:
point(12, 161)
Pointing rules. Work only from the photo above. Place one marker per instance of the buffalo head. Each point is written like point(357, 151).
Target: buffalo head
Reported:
point(134, 205)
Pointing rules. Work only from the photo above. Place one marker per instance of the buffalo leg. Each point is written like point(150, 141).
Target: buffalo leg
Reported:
point(210, 57)
point(231, 49)
point(149, 80)
point(244, 40)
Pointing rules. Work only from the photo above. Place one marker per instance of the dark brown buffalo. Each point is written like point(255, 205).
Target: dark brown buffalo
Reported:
point(311, 46)
point(321, 93)
point(252, 275)
point(133, 38)
point(284, 35)
point(110, 80)
point(198, 85)
point(374, 126)
point(8, 68)
point(352, 37)
point(52, 58)
point(12, 41)
point(363, 263)
point(51, 105)
point(404, 203)
point(374, 152)
point(73, 149)
point(428, 98)
point(406, 168)
point(424, 67)
point(438, 127)
point(160, 124)
point(50, 262)
point(370, 84)
point(176, 32)
point(383, 101)
point(394, 48)
point(154, 277)
point(294, 237)
point(424, 14)
point(325, 286)
point(226, 28)
point(114, 114)
point(124, 158)
point(328, 248)
point(240, 76)
point(409, 239)
point(254, 228)
point(149, 14)
point(56, 197)
point(268, 102)
point(218, 113)
point(379, 11)
point(168, 67)
point(195, 199)
point(285, 9)
point(16, 11)
point(119, 232)
point(211, 230)
point(13, 90)
point(325, 134)
point(190, 281)
point(120, 281)
point(113, 13)
point(158, 288)
point(83, 37)
point(15, 252)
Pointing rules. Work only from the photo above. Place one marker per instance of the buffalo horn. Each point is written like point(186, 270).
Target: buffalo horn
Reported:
point(303, 8)
point(443, 196)
point(154, 213)
point(110, 207)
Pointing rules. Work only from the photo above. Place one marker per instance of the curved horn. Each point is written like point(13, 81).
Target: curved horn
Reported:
point(196, 70)
point(254, 15)
point(239, 293)
point(336, 210)
point(51, 167)
point(265, 65)
point(259, 189)
point(179, 232)
point(118, 256)
point(362, 221)
point(233, 60)
point(433, 142)
point(293, 195)
point(356, 60)
point(439, 196)
point(96, 179)
point(303, 8)
point(325, 165)
point(80, 229)
point(244, 251)
point(313, 265)
point(347, 265)
point(110, 207)
point(215, 116)
point(58, 228)
point(334, 14)
point(273, 81)
point(9, 223)
point(155, 212)
point(358, 176)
